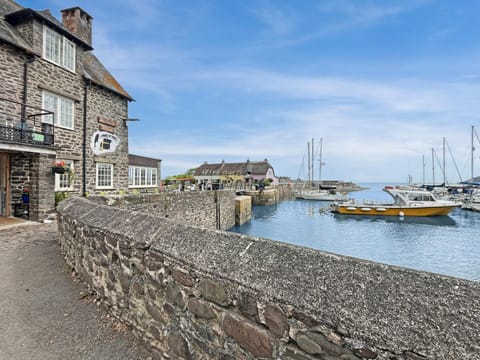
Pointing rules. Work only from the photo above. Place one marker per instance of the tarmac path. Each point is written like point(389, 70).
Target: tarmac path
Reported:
point(45, 313)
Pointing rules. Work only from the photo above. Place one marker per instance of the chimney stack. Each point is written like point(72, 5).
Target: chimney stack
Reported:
point(79, 23)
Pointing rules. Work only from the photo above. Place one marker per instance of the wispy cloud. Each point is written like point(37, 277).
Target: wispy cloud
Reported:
point(365, 12)
point(278, 20)
point(332, 17)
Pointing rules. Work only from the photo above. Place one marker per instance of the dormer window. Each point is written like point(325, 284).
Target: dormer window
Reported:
point(58, 49)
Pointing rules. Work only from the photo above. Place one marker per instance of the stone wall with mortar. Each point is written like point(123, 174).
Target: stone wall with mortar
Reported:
point(33, 172)
point(264, 197)
point(209, 209)
point(285, 191)
point(194, 293)
point(243, 210)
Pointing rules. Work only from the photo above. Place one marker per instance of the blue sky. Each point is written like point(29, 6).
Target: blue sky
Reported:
point(382, 82)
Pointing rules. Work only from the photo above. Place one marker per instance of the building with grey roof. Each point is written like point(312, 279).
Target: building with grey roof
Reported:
point(249, 172)
point(63, 116)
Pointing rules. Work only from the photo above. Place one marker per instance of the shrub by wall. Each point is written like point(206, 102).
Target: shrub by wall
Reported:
point(194, 293)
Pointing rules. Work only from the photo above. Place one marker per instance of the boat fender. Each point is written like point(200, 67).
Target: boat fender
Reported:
point(401, 214)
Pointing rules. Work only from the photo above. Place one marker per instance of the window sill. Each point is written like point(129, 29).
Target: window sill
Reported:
point(59, 126)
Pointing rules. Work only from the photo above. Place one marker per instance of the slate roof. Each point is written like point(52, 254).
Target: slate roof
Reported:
point(8, 6)
point(11, 13)
point(7, 32)
point(242, 168)
point(96, 72)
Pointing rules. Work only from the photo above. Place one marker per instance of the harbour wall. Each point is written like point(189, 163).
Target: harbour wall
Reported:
point(196, 293)
point(271, 195)
point(210, 209)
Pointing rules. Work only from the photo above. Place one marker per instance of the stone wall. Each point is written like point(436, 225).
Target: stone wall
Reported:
point(209, 209)
point(285, 191)
point(11, 73)
point(243, 210)
point(263, 197)
point(194, 293)
point(42, 203)
point(33, 172)
point(105, 104)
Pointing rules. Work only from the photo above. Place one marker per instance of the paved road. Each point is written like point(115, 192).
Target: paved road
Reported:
point(44, 313)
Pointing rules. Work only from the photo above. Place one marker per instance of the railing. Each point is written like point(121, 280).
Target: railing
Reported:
point(25, 124)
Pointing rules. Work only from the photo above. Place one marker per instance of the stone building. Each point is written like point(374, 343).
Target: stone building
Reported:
point(58, 104)
point(248, 172)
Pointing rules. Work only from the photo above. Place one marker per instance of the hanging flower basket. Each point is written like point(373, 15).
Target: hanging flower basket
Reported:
point(60, 167)
point(58, 170)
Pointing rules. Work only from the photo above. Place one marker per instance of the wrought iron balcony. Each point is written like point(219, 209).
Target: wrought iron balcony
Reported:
point(25, 124)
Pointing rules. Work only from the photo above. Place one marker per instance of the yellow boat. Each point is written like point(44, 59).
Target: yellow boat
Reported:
point(406, 202)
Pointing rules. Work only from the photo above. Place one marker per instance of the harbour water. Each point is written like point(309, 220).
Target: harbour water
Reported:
point(448, 245)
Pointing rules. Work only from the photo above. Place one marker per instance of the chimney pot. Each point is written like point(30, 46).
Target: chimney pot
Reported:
point(79, 23)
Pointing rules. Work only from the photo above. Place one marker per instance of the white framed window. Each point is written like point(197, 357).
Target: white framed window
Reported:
point(104, 176)
point(130, 175)
point(61, 106)
point(58, 49)
point(154, 177)
point(64, 182)
point(139, 176)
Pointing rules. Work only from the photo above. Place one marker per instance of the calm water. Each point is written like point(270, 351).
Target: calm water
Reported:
point(447, 245)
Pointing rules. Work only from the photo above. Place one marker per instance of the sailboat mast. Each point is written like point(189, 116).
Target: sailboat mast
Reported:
point(433, 166)
point(444, 170)
point(308, 164)
point(313, 161)
point(473, 149)
point(423, 168)
point(320, 165)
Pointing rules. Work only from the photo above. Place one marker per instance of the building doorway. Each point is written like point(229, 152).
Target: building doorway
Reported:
point(5, 184)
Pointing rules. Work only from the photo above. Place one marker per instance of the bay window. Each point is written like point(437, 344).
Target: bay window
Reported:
point(140, 176)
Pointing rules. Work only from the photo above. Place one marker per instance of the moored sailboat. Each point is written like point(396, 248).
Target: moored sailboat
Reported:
point(322, 193)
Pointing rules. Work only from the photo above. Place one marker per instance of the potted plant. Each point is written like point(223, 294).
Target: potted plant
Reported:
point(26, 195)
point(59, 167)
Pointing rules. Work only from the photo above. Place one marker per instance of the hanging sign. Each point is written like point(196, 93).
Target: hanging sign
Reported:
point(103, 142)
